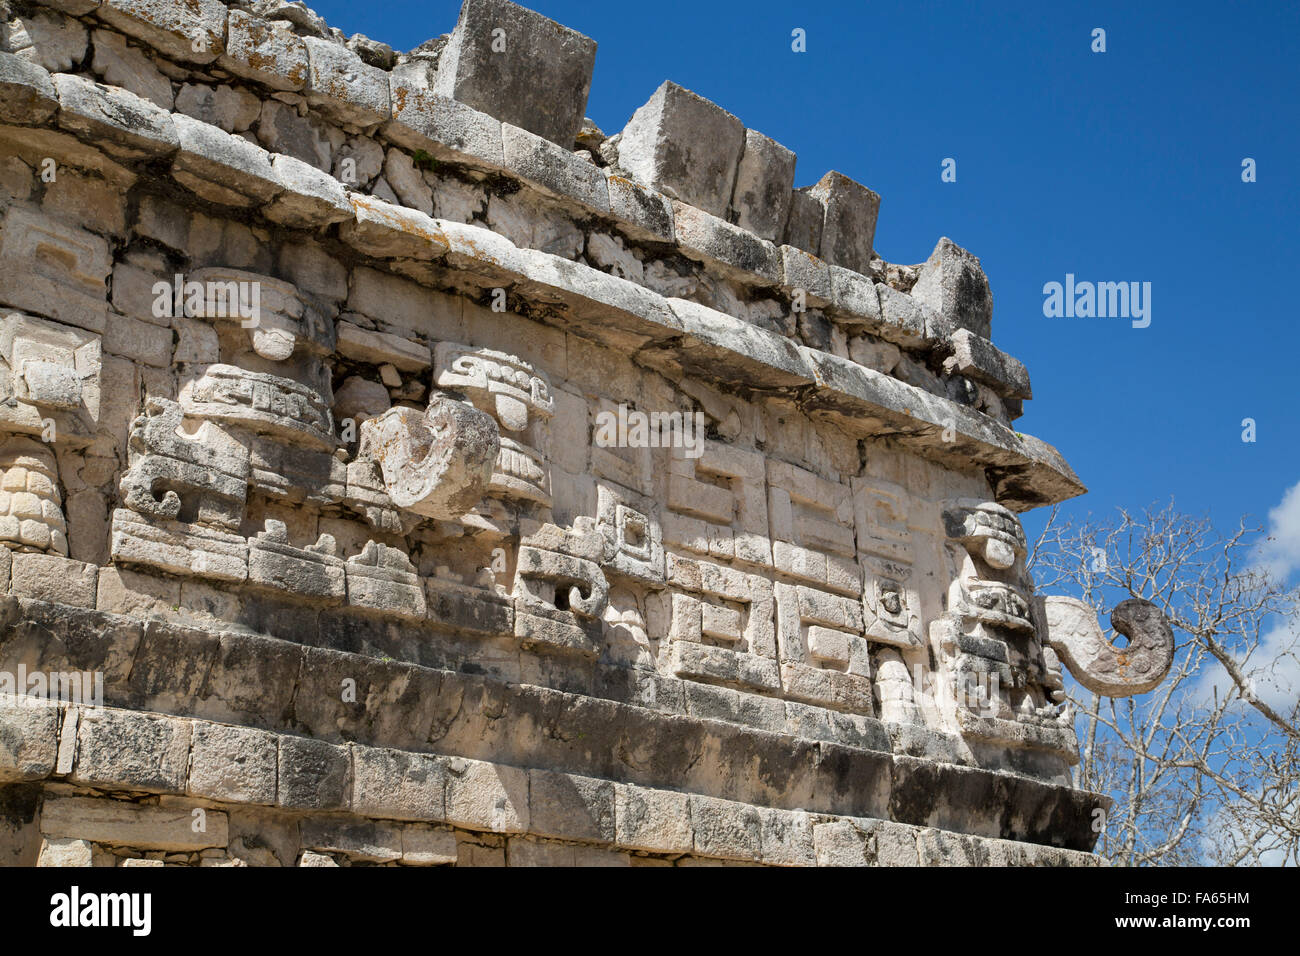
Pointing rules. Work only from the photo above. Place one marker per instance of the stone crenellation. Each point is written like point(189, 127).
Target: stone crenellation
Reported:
point(305, 347)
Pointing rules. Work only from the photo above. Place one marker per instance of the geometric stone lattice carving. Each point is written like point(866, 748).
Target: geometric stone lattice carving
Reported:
point(633, 535)
point(722, 627)
point(824, 658)
point(560, 591)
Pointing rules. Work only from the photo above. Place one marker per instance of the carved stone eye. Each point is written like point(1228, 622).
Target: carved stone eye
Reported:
point(891, 602)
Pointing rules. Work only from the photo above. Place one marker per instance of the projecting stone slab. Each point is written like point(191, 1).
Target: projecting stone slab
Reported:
point(193, 32)
point(849, 227)
point(650, 213)
point(26, 93)
point(220, 167)
point(116, 120)
point(520, 67)
point(685, 146)
point(980, 359)
point(558, 171)
point(952, 283)
point(709, 237)
point(443, 127)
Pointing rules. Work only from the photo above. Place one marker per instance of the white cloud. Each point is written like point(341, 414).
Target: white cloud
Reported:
point(1280, 554)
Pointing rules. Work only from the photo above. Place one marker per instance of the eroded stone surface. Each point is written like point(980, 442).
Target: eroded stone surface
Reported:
point(434, 480)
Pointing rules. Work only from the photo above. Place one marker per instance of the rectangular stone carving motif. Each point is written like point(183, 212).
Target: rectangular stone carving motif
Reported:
point(721, 628)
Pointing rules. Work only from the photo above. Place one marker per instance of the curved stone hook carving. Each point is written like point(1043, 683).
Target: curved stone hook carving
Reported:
point(1097, 664)
point(436, 463)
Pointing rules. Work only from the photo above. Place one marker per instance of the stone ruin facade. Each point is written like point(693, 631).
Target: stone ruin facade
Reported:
point(305, 350)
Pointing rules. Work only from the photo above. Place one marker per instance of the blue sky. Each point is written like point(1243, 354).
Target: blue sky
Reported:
point(1115, 166)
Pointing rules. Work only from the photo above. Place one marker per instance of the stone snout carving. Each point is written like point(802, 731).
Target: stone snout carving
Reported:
point(438, 462)
point(1098, 664)
point(519, 398)
point(1024, 638)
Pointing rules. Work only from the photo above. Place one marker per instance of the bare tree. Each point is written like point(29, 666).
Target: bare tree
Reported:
point(1204, 768)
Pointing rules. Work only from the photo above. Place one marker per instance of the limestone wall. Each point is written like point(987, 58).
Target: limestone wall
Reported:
point(354, 440)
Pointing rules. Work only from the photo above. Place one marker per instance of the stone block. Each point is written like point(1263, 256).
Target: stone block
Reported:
point(192, 32)
point(53, 42)
point(233, 764)
point(804, 271)
point(787, 838)
point(854, 298)
point(556, 170)
point(382, 579)
point(313, 572)
point(265, 52)
point(803, 226)
point(443, 127)
point(61, 851)
point(313, 775)
point(980, 359)
point(645, 213)
point(366, 840)
point(132, 751)
point(840, 843)
point(685, 146)
point(658, 821)
point(380, 348)
point(428, 846)
point(142, 342)
point(701, 235)
point(901, 317)
point(281, 130)
point(487, 796)
point(119, 63)
point(520, 67)
point(953, 284)
point(343, 86)
point(310, 198)
point(115, 120)
point(384, 230)
point(176, 829)
point(396, 785)
point(221, 167)
point(571, 807)
point(849, 227)
point(29, 731)
point(760, 201)
point(50, 577)
point(54, 269)
point(27, 94)
point(942, 848)
point(726, 829)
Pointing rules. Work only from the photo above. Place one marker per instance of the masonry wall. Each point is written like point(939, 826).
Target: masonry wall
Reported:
point(363, 581)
